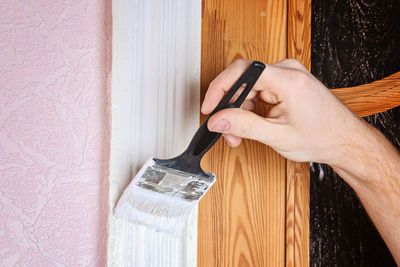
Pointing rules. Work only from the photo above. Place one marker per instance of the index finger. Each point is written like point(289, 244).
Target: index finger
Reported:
point(272, 83)
point(220, 85)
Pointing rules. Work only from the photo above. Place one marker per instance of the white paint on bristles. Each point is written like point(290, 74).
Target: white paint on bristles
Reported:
point(155, 112)
point(155, 210)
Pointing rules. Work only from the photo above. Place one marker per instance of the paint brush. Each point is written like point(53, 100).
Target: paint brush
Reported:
point(164, 191)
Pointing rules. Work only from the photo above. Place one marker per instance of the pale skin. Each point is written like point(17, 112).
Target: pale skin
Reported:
point(309, 124)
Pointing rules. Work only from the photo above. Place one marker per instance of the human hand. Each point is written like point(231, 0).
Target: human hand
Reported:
point(306, 122)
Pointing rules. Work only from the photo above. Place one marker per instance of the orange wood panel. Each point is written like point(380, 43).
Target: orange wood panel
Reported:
point(371, 98)
point(298, 174)
point(297, 213)
point(242, 218)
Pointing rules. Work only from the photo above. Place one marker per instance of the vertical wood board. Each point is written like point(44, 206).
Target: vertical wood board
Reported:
point(242, 218)
point(298, 174)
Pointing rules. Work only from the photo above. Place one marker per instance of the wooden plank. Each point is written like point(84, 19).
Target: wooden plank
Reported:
point(297, 213)
point(299, 31)
point(371, 98)
point(242, 218)
point(298, 174)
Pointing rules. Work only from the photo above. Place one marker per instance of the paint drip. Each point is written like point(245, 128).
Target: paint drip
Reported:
point(321, 172)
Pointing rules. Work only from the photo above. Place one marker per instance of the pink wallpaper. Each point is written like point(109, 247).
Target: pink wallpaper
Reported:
point(55, 60)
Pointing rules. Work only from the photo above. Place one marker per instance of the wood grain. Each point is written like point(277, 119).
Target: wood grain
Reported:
point(371, 98)
point(227, 233)
point(298, 174)
point(297, 213)
point(242, 218)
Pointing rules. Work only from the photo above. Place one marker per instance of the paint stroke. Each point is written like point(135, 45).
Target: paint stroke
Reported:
point(155, 112)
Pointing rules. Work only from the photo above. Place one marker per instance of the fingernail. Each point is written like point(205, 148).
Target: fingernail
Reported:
point(221, 126)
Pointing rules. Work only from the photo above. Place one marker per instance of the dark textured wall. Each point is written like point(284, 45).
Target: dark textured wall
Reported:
point(353, 42)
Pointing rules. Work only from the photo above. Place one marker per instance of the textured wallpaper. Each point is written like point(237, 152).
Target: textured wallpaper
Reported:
point(55, 59)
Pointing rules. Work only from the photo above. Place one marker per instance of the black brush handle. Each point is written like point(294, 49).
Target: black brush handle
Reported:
point(204, 139)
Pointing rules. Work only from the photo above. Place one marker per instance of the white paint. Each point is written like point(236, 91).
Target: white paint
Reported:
point(320, 170)
point(155, 112)
point(162, 212)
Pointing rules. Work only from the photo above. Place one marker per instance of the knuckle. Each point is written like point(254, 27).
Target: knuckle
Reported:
point(240, 61)
point(212, 84)
point(245, 129)
point(293, 63)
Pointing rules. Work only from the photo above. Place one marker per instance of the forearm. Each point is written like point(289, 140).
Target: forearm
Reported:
point(371, 166)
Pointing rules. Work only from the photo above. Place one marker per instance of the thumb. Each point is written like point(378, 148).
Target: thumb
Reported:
point(243, 123)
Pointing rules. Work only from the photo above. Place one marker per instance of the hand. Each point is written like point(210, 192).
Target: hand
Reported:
point(306, 122)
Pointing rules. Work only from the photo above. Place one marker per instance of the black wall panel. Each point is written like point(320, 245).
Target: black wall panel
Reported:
point(353, 42)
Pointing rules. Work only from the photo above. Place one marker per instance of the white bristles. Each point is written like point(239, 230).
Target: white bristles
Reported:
point(158, 211)
point(163, 213)
point(162, 198)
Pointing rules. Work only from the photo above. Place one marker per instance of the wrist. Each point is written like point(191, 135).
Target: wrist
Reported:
point(367, 158)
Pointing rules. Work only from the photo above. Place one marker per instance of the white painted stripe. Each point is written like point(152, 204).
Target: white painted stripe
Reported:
point(155, 112)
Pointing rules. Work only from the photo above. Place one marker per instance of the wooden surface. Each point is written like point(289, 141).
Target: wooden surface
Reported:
point(298, 174)
point(372, 98)
point(242, 218)
point(354, 42)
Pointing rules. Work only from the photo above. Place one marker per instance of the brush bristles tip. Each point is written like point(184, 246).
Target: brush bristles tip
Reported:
point(163, 213)
point(162, 198)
